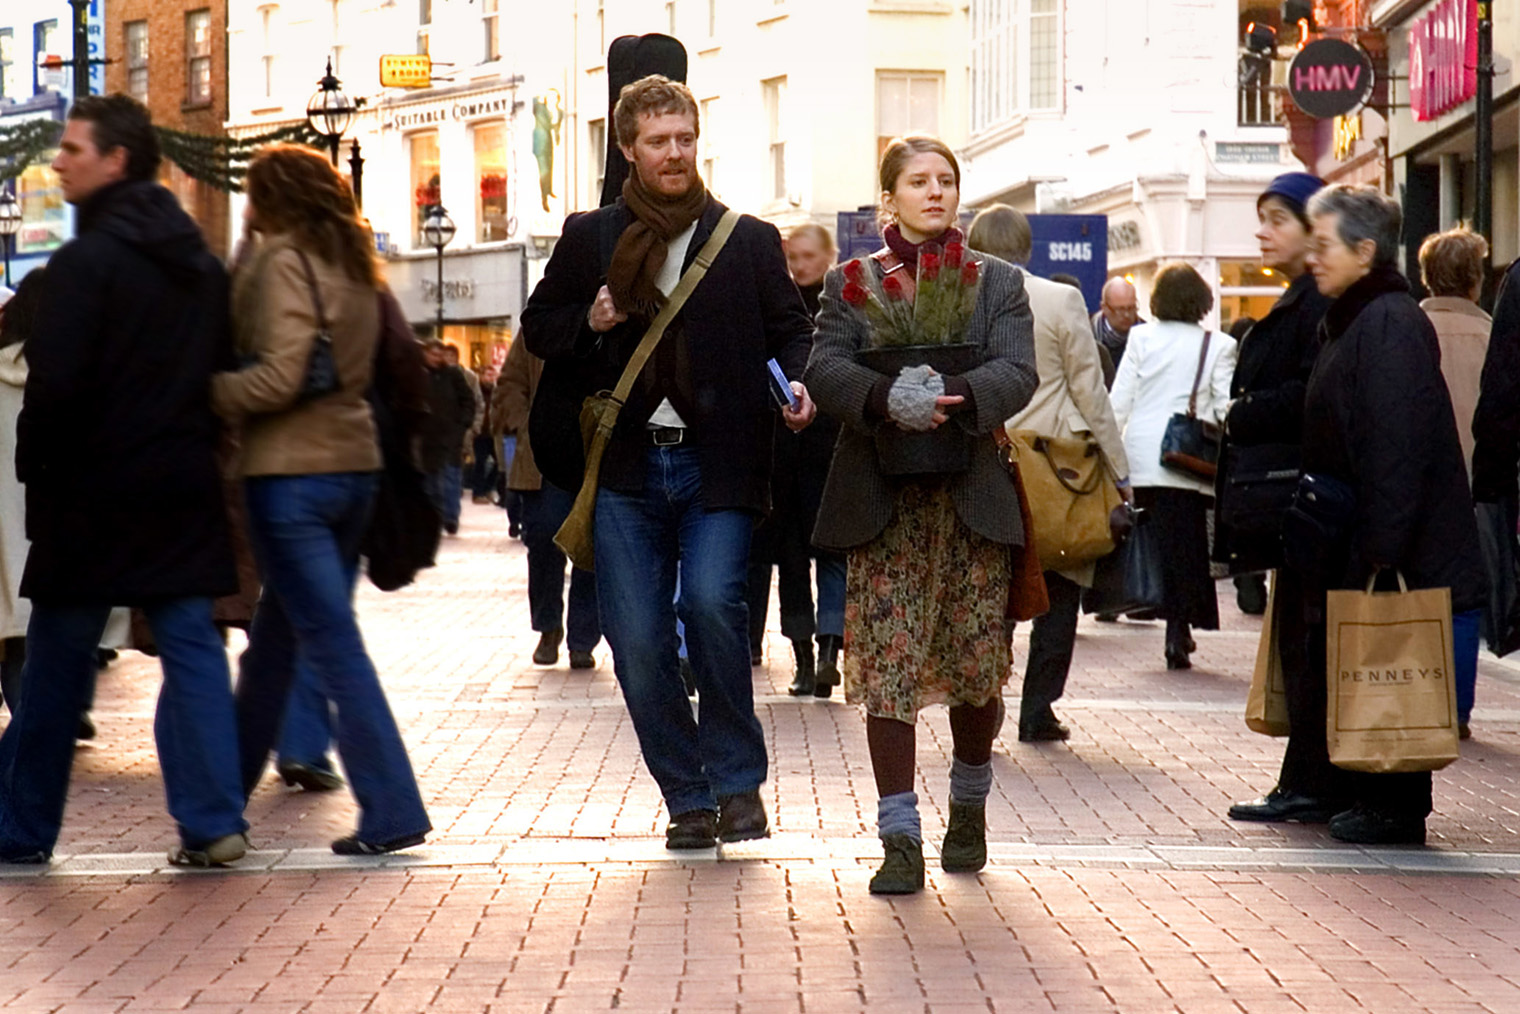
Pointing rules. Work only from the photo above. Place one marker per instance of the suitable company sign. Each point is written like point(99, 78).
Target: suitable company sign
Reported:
point(1076, 245)
point(1330, 78)
point(1443, 58)
point(406, 71)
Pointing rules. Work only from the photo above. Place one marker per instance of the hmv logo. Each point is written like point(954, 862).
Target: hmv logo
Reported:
point(1330, 78)
point(1327, 79)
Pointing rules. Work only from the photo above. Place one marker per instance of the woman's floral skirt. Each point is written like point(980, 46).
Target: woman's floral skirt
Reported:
point(924, 612)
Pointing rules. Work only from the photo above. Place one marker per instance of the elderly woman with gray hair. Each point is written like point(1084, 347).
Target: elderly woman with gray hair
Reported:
point(1377, 418)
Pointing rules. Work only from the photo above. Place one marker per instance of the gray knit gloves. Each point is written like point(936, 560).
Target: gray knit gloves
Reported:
point(913, 399)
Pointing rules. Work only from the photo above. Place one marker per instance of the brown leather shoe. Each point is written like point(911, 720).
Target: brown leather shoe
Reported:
point(741, 817)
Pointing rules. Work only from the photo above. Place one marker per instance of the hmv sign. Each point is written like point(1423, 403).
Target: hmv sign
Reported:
point(1443, 58)
point(1330, 78)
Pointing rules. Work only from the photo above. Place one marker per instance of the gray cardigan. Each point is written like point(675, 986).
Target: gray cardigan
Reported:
point(857, 500)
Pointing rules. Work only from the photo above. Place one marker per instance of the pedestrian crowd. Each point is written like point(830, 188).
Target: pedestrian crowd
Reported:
point(927, 445)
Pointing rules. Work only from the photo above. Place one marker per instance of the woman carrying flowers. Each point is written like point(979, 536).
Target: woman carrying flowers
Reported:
point(929, 552)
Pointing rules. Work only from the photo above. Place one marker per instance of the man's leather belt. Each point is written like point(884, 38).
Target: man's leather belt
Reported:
point(667, 436)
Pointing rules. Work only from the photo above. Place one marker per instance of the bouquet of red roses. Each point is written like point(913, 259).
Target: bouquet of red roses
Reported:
point(944, 298)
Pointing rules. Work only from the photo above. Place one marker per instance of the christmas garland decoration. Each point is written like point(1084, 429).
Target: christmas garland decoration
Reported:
point(221, 162)
point(24, 144)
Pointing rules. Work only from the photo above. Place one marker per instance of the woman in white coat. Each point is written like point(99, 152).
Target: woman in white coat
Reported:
point(15, 323)
point(1156, 380)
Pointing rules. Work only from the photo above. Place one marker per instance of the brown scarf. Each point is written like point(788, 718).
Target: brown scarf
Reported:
point(641, 250)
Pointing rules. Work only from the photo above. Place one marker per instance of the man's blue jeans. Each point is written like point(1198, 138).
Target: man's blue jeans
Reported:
point(832, 570)
point(543, 511)
point(445, 488)
point(305, 532)
point(642, 540)
point(195, 727)
point(1465, 629)
point(306, 730)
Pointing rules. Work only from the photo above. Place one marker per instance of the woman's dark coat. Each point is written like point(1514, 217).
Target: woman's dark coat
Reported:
point(116, 440)
point(1272, 371)
point(1378, 417)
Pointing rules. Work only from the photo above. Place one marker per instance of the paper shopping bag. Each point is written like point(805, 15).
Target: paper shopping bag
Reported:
point(1267, 701)
point(1392, 696)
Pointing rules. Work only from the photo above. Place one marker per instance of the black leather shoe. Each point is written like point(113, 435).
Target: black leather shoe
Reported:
point(309, 776)
point(694, 829)
point(582, 660)
point(829, 676)
point(741, 817)
point(1278, 807)
point(1363, 826)
point(1045, 732)
point(353, 845)
point(1178, 660)
point(547, 652)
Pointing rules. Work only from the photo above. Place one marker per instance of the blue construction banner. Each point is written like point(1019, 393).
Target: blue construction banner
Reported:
point(1076, 245)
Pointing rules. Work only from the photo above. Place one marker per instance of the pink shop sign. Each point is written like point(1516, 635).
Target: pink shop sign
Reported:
point(1443, 58)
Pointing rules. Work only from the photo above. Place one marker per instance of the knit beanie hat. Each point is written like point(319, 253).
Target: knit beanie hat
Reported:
point(1294, 190)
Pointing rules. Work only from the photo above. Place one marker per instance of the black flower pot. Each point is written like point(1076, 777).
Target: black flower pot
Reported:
point(942, 450)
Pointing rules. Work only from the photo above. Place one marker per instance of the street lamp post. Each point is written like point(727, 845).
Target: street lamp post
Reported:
point(329, 113)
point(437, 230)
point(10, 224)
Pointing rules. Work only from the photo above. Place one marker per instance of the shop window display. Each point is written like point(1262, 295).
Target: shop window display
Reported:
point(426, 191)
point(491, 205)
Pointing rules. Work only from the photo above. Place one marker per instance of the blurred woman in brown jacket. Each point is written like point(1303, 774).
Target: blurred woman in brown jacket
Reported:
point(309, 462)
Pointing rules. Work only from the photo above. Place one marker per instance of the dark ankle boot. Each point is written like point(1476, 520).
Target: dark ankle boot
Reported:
point(804, 678)
point(965, 848)
point(829, 646)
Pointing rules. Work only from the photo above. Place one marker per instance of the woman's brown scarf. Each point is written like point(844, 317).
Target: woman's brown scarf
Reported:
point(641, 250)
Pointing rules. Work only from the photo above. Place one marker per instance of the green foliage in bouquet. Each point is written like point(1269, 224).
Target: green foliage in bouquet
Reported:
point(944, 299)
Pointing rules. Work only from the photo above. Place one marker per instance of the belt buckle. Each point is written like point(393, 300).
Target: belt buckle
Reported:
point(667, 436)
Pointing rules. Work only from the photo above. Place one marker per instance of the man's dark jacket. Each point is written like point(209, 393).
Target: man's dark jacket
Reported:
point(1496, 423)
point(1378, 417)
point(451, 413)
point(746, 310)
point(1271, 373)
point(116, 440)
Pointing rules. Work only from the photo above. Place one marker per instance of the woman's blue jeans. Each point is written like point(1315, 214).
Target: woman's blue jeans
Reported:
point(643, 540)
point(305, 532)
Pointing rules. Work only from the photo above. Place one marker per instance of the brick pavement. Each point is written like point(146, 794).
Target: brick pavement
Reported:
point(1115, 882)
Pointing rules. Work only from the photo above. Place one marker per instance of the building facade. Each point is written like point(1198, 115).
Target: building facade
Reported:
point(171, 55)
point(36, 41)
point(1143, 112)
point(1432, 136)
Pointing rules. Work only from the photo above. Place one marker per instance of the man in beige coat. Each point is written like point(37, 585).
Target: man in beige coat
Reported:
point(1070, 401)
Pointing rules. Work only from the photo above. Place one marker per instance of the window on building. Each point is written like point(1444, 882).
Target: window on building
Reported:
point(1246, 289)
point(10, 88)
point(427, 193)
point(269, 58)
point(490, 23)
point(45, 43)
point(424, 25)
point(137, 60)
point(44, 214)
point(596, 141)
point(491, 181)
point(906, 103)
point(709, 148)
point(1015, 59)
point(774, 94)
point(198, 58)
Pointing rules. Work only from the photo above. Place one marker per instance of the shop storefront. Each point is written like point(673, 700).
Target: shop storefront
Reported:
point(1432, 137)
point(483, 294)
point(46, 219)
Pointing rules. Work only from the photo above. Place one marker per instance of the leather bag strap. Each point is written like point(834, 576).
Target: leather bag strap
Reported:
point(316, 294)
point(684, 288)
point(1203, 357)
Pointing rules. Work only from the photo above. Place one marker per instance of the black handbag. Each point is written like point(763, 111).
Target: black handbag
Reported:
point(1190, 445)
point(1316, 527)
point(1128, 580)
point(1257, 488)
point(321, 368)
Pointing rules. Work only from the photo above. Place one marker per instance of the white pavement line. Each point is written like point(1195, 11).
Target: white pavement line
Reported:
point(650, 852)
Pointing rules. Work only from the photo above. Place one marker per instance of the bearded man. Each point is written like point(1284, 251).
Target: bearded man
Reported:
point(687, 471)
